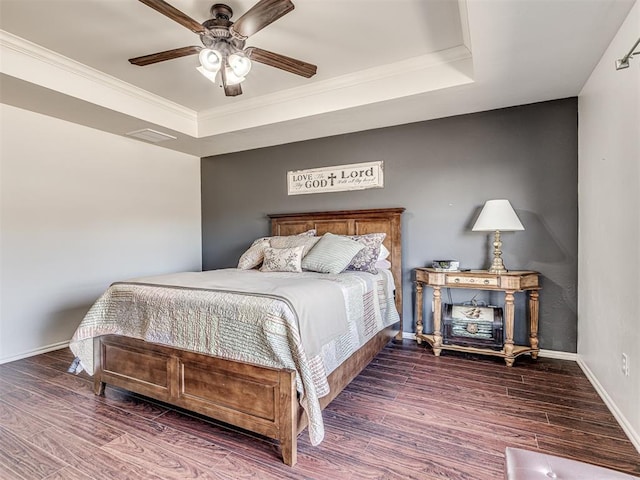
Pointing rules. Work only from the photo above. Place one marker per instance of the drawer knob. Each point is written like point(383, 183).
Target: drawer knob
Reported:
point(486, 281)
point(457, 280)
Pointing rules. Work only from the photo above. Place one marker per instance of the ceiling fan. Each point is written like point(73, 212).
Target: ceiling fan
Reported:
point(224, 51)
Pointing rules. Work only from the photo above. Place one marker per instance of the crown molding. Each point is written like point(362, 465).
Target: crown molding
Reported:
point(408, 67)
point(413, 76)
point(35, 64)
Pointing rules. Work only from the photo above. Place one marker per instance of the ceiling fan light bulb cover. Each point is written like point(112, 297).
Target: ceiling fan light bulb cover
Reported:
point(207, 74)
point(211, 60)
point(240, 64)
point(232, 78)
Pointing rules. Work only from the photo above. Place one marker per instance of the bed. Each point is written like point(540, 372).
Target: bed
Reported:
point(258, 398)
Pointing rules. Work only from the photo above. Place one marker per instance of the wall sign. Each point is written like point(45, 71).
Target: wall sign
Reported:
point(357, 176)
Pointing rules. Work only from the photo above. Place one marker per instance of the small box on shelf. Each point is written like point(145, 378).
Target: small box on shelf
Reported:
point(446, 265)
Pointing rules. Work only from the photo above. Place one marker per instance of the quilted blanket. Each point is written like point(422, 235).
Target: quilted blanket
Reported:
point(303, 321)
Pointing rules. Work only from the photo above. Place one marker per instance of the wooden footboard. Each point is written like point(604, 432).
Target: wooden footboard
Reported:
point(259, 399)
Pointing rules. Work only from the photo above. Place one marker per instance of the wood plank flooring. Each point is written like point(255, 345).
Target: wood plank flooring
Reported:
point(409, 415)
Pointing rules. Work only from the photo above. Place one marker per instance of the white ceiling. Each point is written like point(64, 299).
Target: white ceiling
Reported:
point(380, 63)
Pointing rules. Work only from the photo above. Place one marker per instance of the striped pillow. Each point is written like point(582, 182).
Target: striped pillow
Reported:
point(331, 254)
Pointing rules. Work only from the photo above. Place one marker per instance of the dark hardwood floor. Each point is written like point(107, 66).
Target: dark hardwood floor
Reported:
point(409, 415)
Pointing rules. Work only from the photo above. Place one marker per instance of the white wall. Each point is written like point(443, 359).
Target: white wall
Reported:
point(80, 209)
point(609, 232)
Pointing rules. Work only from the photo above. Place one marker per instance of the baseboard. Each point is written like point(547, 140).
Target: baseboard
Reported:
point(543, 353)
point(558, 354)
point(634, 437)
point(37, 351)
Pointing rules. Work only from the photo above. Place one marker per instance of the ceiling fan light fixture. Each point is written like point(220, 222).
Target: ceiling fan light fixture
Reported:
point(232, 78)
point(210, 75)
point(211, 60)
point(239, 63)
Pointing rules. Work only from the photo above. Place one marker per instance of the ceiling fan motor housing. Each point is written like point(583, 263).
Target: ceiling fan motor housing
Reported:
point(217, 35)
point(222, 11)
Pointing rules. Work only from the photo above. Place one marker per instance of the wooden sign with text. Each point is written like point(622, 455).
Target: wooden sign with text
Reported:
point(357, 176)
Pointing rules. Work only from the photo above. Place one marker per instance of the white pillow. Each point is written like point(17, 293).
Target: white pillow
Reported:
point(331, 254)
point(383, 265)
point(384, 253)
point(282, 259)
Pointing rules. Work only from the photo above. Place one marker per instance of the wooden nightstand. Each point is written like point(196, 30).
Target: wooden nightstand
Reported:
point(509, 283)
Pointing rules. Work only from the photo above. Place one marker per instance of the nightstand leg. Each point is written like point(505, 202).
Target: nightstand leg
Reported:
point(437, 321)
point(533, 325)
point(509, 313)
point(419, 308)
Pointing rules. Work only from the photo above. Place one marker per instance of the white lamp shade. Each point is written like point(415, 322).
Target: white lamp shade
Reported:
point(497, 215)
point(239, 63)
point(232, 78)
point(211, 60)
point(210, 75)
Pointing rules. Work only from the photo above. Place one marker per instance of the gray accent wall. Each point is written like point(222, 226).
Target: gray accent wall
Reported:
point(442, 171)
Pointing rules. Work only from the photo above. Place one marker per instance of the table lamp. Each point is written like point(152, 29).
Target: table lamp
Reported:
point(497, 216)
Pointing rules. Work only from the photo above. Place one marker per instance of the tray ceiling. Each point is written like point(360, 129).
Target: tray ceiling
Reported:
point(379, 63)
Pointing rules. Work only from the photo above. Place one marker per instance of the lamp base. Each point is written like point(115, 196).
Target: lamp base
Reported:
point(497, 270)
point(497, 266)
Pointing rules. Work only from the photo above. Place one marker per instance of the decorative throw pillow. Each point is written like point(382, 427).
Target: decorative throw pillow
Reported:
point(254, 255)
point(331, 254)
point(305, 241)
point(282, 259)
point(365, 260)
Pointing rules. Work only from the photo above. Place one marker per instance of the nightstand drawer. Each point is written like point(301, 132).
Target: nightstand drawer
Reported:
point(472, 281)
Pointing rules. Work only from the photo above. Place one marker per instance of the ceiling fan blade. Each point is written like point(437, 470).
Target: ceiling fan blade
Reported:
point(282, 62)
point(162, 56)
point(174, 14)
point(259, 16)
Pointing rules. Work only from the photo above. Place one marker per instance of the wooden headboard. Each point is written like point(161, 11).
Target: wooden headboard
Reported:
point(351, 222)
